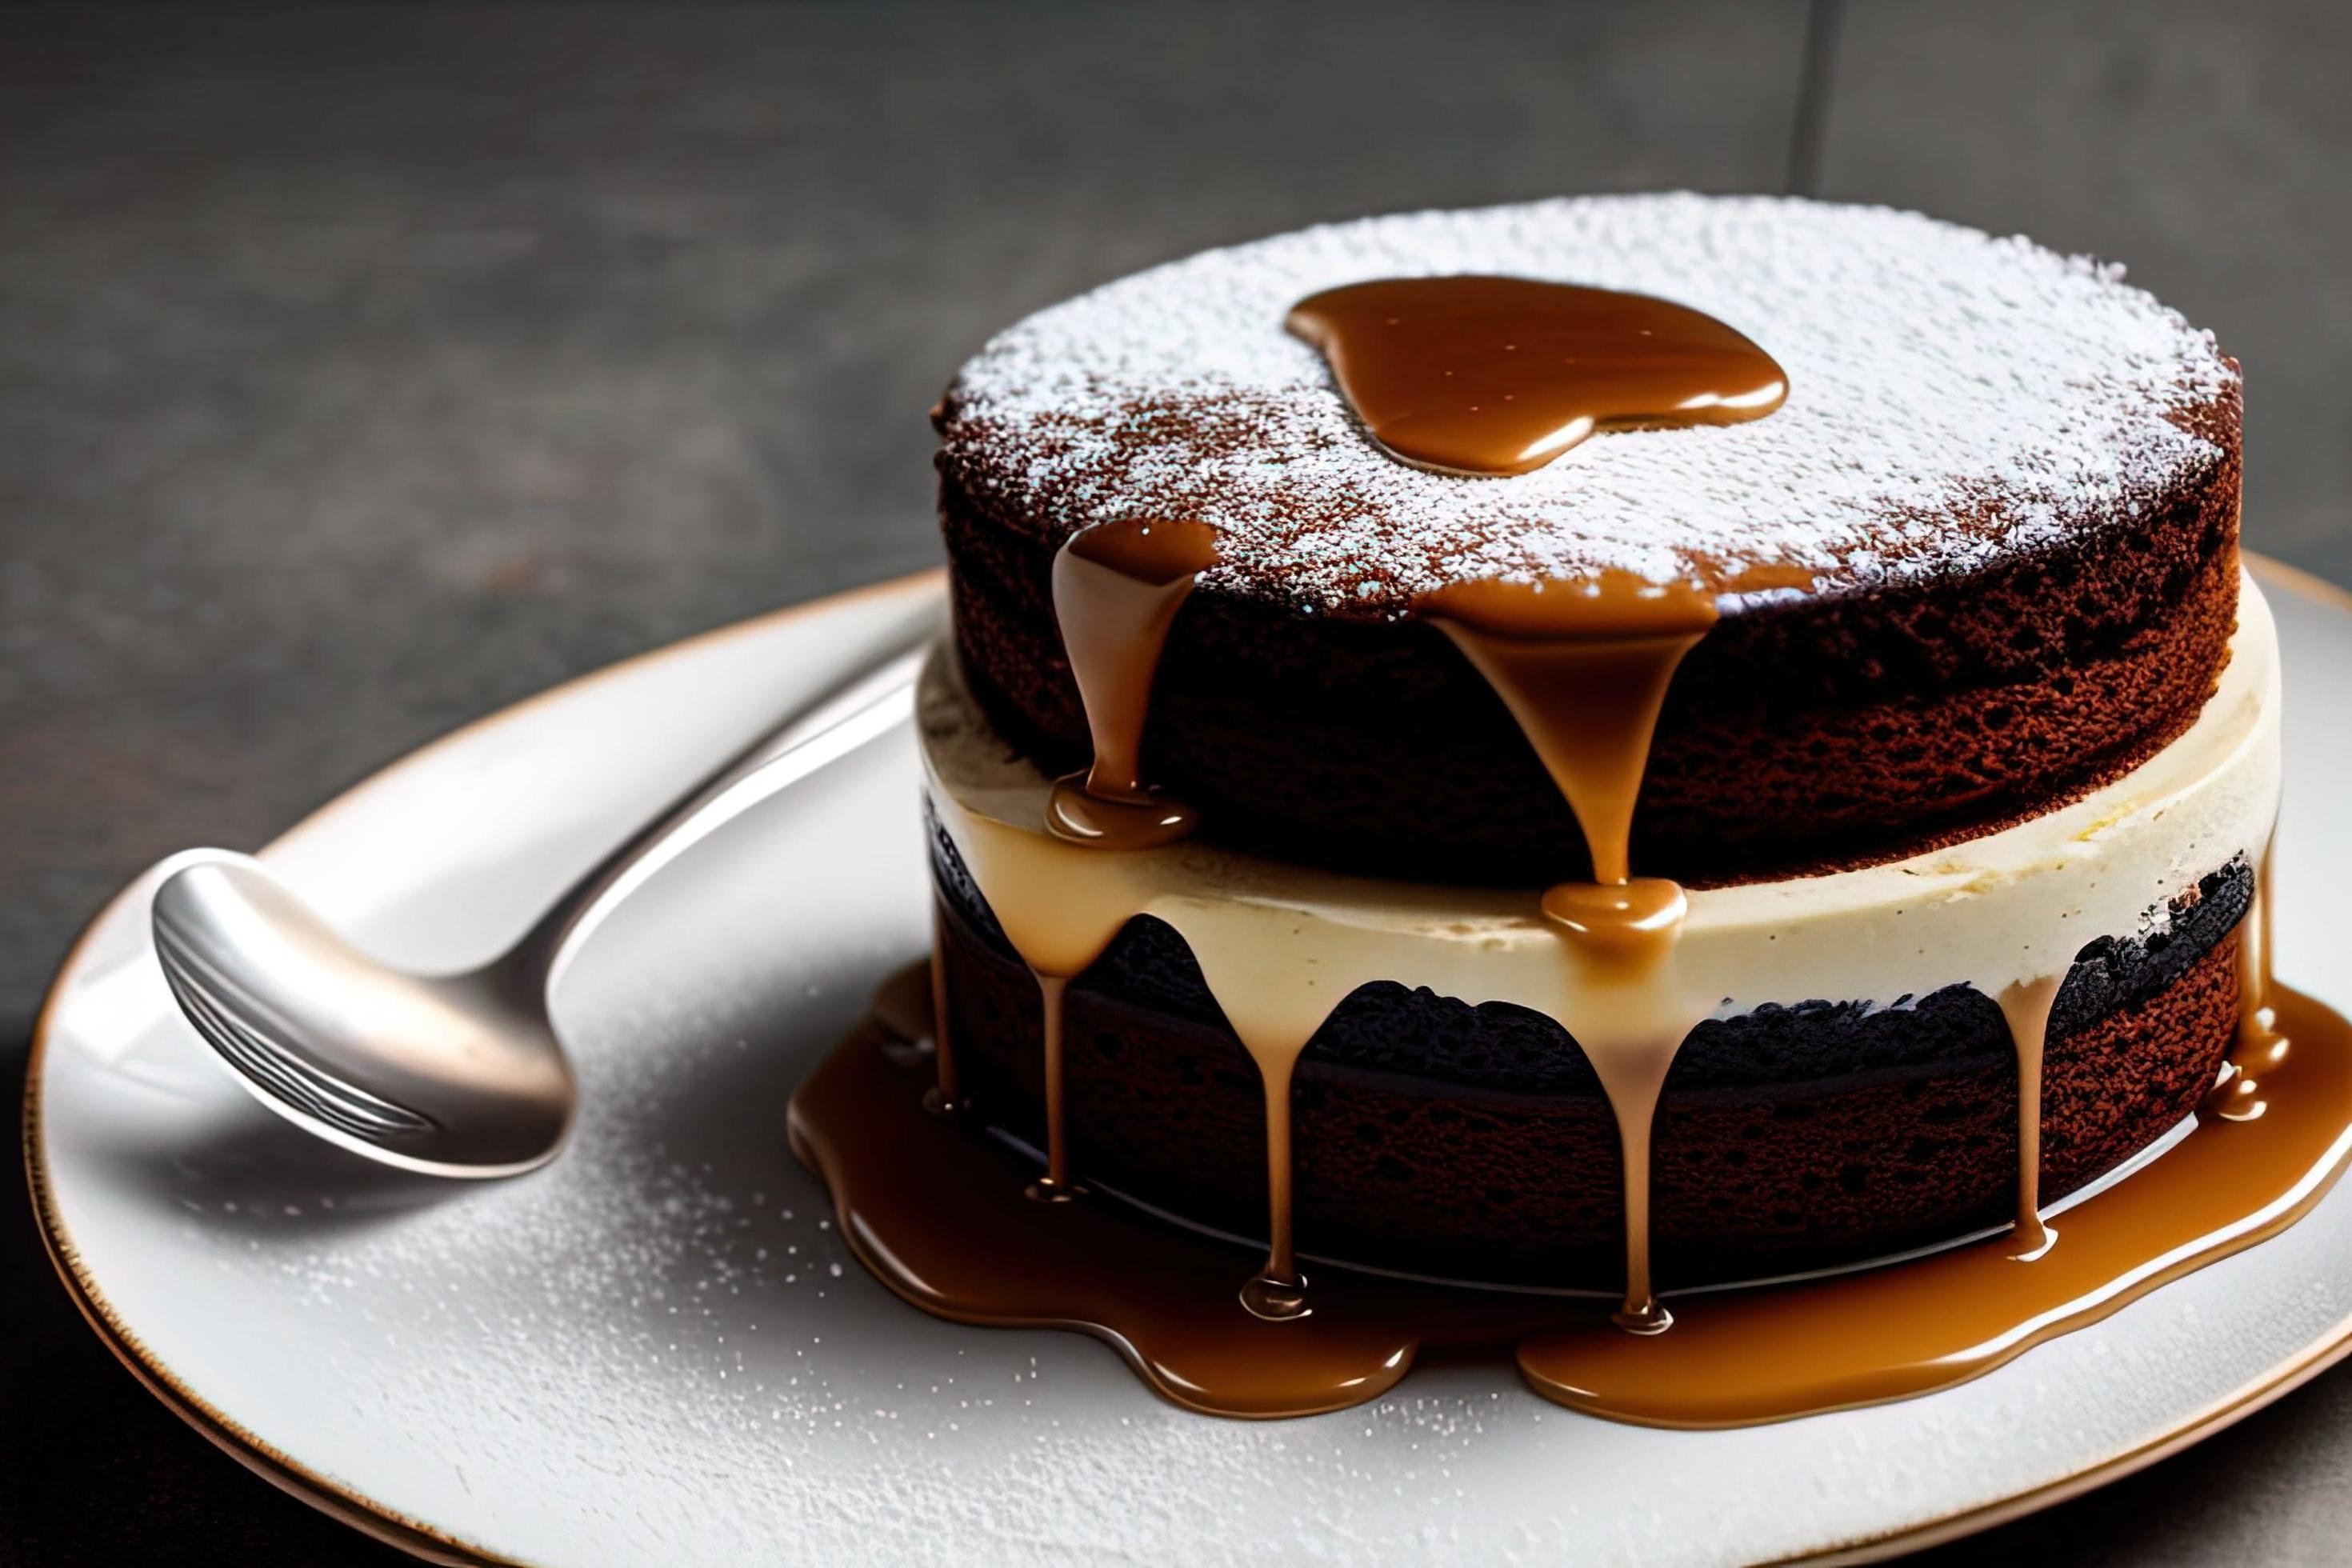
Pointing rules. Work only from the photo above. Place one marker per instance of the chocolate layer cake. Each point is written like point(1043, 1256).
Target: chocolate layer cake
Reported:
point(2015, 478)
point(1958, 809)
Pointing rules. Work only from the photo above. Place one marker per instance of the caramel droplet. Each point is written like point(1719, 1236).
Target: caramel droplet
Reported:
point(1077, 814)
point(1627, 923)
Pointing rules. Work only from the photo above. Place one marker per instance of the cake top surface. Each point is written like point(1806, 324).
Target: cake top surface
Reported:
point(1953, 399)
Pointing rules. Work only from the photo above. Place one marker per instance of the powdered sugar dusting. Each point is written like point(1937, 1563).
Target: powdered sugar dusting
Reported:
point(1952, 396)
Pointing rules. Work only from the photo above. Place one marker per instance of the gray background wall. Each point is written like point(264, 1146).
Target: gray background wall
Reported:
point(364, 369)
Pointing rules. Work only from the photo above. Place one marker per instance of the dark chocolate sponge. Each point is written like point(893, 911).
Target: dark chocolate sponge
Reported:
point(1435, 1137)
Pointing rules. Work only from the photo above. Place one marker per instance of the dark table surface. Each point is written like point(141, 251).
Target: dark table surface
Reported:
point(363, 370)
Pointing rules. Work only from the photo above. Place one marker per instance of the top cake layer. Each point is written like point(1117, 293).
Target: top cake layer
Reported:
point(2012, 478)
point(1953, 397)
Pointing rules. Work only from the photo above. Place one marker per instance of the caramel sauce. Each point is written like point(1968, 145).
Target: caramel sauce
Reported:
point(1054, 1186)
point(935, 1210)
point(937, 1213)
point(1585, 667)
point(946, 1097)
point(2241, 1092)
point(1476, 374)
point(1627, 925)
point(2025, 1008)
point(1861, 1339)
point(1277, 1291)
point(1500, 375)
point(1116, 589)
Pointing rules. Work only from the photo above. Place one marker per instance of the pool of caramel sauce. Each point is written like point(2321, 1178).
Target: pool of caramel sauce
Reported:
point(936, 1208)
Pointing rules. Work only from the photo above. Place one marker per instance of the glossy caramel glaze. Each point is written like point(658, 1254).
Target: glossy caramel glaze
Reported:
point(1116, 589)
point(1474, 375)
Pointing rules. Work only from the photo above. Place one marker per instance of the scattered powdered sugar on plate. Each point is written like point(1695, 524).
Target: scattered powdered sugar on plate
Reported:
point(1952, 396)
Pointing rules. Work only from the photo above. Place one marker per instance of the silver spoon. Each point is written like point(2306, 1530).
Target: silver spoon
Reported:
point(457, 1074)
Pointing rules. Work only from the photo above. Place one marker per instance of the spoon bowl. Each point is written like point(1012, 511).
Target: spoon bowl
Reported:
point(458, 1076)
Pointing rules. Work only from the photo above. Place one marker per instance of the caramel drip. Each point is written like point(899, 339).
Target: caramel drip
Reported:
point(1275, 1020)
point(1060, 906)
point(1058, 929)
point(2025, 1008)
point(1500, 375)
point(1584, 668)
point(1116, 589)
point(936, 1213)
point(1054, 1186)
point(2241, 1093)
point(946, 1097)
point(1277, 1292)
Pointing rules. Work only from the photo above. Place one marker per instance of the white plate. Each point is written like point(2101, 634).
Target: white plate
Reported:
point(657, 1350)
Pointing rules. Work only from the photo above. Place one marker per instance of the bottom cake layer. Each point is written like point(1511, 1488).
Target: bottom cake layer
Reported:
point(1469, 1143)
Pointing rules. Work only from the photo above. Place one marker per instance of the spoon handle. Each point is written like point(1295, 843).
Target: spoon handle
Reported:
point(861, 709)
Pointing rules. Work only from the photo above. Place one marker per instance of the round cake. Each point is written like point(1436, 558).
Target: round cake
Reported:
point(1960, 775)
point(2014, 477)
